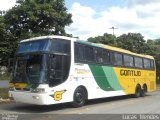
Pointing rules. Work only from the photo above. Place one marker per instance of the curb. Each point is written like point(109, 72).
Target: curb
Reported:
point(6, 101)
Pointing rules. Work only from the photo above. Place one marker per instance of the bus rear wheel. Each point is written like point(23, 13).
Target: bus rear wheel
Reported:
point(79, 97)
point(144, 91)
point(137, 91)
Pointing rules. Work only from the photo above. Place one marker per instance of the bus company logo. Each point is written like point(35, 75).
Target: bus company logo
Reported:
point(82, 71)
point(58, 95)
point(130, 72)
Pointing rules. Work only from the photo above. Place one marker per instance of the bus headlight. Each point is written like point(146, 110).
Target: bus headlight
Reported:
point(38, 90)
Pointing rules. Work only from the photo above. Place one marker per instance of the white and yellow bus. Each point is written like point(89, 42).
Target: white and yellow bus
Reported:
point(56, 69)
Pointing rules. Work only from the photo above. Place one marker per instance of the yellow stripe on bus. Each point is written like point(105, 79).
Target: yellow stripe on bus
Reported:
point(18, 85)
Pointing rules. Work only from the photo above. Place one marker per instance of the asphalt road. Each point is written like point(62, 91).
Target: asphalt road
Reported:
point(4, 83)
point(94, 109)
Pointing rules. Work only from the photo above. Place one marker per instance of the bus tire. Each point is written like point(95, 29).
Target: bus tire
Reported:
point(137, 91)
point(79, 97)
point(144, 91)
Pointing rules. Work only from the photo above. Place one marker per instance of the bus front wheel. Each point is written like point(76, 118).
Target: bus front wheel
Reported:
point(79, 97)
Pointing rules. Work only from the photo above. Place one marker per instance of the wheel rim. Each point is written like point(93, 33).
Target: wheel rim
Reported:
point(144, 90)
point(138, 92)
point(79, 97)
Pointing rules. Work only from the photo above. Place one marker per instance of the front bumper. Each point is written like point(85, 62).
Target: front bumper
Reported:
point(31, 98)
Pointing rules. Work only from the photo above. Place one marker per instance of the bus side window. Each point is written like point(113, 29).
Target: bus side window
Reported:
point(138, 62)
point(79, 53)
point(152, 64)
point(98, 54)
point(128, 61)
point(147, 63)
point(106, 57)
point(117, 59)
point(89, 54)
point(60, 46)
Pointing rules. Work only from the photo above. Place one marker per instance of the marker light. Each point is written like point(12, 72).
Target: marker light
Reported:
point(38, 90)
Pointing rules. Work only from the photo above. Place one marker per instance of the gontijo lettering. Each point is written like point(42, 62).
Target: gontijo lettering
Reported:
point(130, 72)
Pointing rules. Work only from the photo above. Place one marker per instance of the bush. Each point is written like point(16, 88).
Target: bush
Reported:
point(4, 93)
point(4, 74)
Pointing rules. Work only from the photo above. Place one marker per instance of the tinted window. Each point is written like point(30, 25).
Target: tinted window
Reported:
point(60, 46)
point(106, 57)
point(30, 69)
point(89, 54)
point(128, 61)
point(79, 52)
point(152, 64)
point(99, 54)
point(117, 59)
point(147, 63)
point(33, 46)
point(138, 62)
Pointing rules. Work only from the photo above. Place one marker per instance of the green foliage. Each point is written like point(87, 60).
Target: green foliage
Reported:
point(5, 76)
point(133, 42)
point(108, 39)
point(7, 43)
point(37, 17)
point(4, 93)
point(155, 51)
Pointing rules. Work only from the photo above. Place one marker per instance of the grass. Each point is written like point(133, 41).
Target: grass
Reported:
point(4, 93)
point(5, 77)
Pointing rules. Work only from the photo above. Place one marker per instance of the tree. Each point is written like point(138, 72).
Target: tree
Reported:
point(107, 39)
point(3, 49)
point(7, 43)
point(155, 51)
point(37, 17)
point(133, 42)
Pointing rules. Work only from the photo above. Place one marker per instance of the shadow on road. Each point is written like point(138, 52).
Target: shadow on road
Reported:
point(27, 108)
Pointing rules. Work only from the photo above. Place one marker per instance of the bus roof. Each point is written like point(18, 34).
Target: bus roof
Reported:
point(49, 37)
point(114, 49)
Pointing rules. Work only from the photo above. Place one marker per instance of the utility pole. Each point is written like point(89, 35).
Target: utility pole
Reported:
point(113, 28)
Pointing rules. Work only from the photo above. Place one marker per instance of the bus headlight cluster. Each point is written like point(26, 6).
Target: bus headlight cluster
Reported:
point(11, 88)
point(38, 90)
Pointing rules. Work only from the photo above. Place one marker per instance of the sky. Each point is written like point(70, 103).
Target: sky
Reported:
point(95, 17)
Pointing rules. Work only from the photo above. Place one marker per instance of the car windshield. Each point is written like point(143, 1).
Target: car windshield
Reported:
point(30, 69)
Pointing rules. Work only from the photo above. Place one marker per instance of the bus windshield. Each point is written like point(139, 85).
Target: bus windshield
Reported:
point(34, 46)
point(30, 69)
point(42, 61)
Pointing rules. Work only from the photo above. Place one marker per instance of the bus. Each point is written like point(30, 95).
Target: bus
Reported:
point(58, 69)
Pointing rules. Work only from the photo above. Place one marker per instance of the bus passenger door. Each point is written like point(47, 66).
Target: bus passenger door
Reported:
point(55, 69)
point(59, 66)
